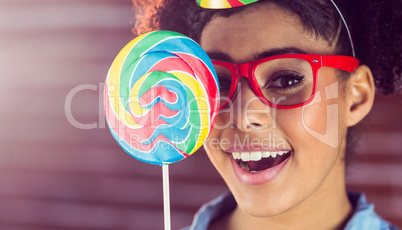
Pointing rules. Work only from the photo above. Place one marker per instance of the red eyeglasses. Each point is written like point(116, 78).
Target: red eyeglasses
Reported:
point(283, 81)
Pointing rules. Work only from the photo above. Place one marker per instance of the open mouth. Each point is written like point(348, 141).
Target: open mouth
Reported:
point(255, 162)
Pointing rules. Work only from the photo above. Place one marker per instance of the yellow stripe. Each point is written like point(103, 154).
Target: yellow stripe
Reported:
point(215, 4)
point(202, 101)
point(114, 82)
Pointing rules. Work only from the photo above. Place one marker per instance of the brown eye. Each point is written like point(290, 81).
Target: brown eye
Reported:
point(286, 80)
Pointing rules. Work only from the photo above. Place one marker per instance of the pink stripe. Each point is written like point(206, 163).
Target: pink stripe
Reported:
point(235, 3)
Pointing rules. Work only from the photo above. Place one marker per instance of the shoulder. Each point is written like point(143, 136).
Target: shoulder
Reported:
point(364, 216)
point(213, 210)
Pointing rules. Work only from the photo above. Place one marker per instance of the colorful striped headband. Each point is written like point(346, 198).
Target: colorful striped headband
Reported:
point(223, 4)
point(226, 4)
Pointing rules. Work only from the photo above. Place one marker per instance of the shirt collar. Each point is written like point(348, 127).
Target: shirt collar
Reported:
point(364, 216)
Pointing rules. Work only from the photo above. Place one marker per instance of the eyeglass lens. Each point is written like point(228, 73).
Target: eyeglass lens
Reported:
point(284, 81)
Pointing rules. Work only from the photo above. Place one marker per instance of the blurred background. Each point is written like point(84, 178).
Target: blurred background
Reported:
point(54, 57)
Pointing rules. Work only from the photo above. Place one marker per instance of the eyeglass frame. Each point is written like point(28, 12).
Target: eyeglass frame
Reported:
point(316, 61)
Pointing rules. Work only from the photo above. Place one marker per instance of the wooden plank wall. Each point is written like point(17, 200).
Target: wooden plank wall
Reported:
point(59, 177)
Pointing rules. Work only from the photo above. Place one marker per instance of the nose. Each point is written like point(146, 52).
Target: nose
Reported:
point(249, 112)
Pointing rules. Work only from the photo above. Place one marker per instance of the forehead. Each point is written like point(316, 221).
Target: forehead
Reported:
point(246, 34)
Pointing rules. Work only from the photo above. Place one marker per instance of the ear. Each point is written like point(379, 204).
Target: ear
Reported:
point(360, 95)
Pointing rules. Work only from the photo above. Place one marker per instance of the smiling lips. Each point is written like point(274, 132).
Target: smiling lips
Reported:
point(254, 168)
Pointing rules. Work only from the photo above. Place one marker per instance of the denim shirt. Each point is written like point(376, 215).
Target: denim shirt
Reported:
point(363, 218)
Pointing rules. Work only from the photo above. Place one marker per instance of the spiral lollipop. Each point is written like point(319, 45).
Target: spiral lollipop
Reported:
point(223, 4)
point(161, 97)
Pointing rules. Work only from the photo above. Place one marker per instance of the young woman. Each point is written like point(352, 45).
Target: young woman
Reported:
point(295, 77)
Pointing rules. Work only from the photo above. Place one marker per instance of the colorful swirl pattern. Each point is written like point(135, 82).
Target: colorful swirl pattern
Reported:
point(223, 4)
point(161, 97)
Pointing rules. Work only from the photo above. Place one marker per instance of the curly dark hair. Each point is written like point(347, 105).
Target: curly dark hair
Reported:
point(375, 25)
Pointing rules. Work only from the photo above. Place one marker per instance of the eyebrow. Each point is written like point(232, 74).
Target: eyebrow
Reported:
point(220, 56)
point(279, 51)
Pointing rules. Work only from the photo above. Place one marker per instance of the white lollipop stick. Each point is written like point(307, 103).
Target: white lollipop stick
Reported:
point(166, 196)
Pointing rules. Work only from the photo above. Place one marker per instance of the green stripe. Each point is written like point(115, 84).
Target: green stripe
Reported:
point(245, 2)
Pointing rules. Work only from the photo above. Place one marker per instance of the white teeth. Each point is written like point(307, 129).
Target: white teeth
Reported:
point(236, 155)
point(245, 156)
point(255, 156)
point(266, 154)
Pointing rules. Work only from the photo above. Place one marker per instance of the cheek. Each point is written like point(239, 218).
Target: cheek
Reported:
point(322, 118)
point(213, 147)
point(316, 116)
point(213, 144)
